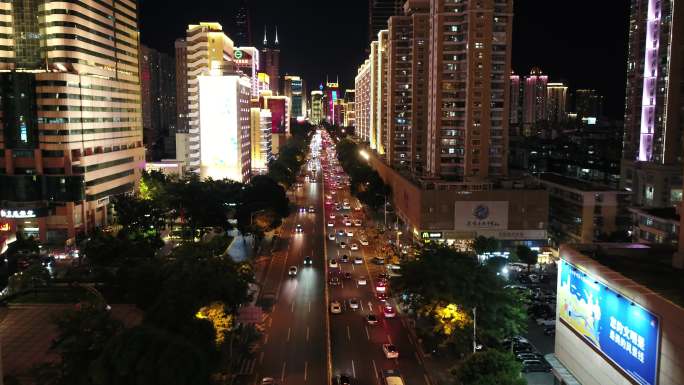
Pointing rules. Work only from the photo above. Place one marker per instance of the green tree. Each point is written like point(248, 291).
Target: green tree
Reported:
point(490, 367)
point(148, 356)
point(526, 255)
point(82, 334)
point(483, 245)
point(33, 277)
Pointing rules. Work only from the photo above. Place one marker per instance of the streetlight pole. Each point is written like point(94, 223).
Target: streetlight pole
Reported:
point(474, 329)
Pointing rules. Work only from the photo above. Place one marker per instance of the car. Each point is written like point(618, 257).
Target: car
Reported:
point(353, 247)
point(363, 241)
point(344, 258)
point(358, 260)
point(333, 263)
point(382, 297)
point(334, 280)
point(357, 208)
point(267, 381)
point(331, 236)
point(535, 366)
point(528, 356)
point(350, 233)
point(299, 228)
point(371, 319)
point(379, 260)
point(381, 286)
point(335, 307)
point(362, 281)
point(353, 303)
point(340, 232)
point(347, 275)
point(292, 271)
point(343, 379)
point(546, 322)
point(331, 223)
point(302, 209)
point(312, 209)
point(332, 215)
point(343, 245)
point(348, 223)
point(357, 223)
point(390, 351)
point(383, 277)
point(389, 312)
point(308, 261)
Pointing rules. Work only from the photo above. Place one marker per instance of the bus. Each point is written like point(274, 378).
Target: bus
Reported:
point(392, 377)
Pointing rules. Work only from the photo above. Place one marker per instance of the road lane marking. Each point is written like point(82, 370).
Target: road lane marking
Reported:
point(389, 339)
point(418, 358)
point(427, 380)
point(370, 306)
point(367, 334)
point(348, 333)
point(289, 331)
point(309, 306)
point(282, 373)
point(307, 334)
point(292, 307)
point(265, 338)
point(375, 370)
point(361, 303)
point(353, 369)
point(306, 369)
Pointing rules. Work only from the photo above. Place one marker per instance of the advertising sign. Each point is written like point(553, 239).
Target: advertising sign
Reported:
point(477, 215)
point(623, 331)
point(219, 127)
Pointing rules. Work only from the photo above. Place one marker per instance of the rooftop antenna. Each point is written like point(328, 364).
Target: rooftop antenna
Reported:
point(276, 37)
point(265, 39)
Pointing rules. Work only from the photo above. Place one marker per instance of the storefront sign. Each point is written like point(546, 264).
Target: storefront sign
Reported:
point(431, 235)
point(624, 332)
point(4, 227)
point(481, 215)
point(17, 214)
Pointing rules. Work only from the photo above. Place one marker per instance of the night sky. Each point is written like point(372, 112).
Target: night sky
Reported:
point(582, 42)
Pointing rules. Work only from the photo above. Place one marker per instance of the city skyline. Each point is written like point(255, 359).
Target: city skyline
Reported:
point(538, 40)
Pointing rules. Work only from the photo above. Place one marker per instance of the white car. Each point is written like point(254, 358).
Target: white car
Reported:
point(353, 303)
point(292, 272)
point(332, 215)
point(343, 245)
point(390, 351)
point(350, 233)
point(364, 241)
point(362, 281)
point(331, 224)
point(358, 260)
point(353, 247)
point(333, 264)
point(357, 223)
point(335, 307)
point(348, 223)
point(267, 381)
point(331, 236)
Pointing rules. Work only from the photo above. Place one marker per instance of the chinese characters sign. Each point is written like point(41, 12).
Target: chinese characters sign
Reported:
point(624, 332)
point(477, 215)
point(17, 214)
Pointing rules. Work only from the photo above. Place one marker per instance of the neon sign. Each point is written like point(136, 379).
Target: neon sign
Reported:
point(17, 214)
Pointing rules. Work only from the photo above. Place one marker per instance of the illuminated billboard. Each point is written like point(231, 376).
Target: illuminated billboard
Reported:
point(621, 330)
point(278, 109)
point(219, 144)
point(480, 215)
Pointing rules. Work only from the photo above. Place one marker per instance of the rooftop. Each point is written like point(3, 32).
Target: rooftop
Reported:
point(573, 183)
point(668, 213)
point(647, 265)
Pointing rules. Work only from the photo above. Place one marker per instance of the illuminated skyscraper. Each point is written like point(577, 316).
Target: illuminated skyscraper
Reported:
point(294, 87)
point(362, 88)
point(181, 56)
point(534, 100)
point(349, 108)
point(332, 94)
point(515, 113)
point(270, 60)
point(71, 134)
point(316, 107)
point(654, 106)
point(556, 102)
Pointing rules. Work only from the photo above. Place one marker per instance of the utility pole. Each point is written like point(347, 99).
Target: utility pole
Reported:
point(474, 329)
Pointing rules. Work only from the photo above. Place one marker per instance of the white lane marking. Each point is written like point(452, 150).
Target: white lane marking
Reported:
point(348, 333)
point(266, 339)
point(306, 369)
point(282, 373)
point(353, 369)
point(361, 303)
point(342, 284)
point(389, 339)
point(427, 380)
point(418, 358)
point(261, 358)
point(370, 306)
point(289, 331)
point(375, 370)
point(307, 334)
point(309, 306)
point(292, 307)
point(367, 333)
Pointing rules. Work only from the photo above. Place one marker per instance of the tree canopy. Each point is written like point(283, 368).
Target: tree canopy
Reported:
point(490, 367)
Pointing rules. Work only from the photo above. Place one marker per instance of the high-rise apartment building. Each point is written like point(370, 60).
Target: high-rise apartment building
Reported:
point(470, 63)
point(316, 107)
point(382, 91)
point(71, 134)
point(556, 102)
point(349, 108)
point(588, 103)
point(209, 52)
point(535, 100)
point(270, 61)
point(294, 87)
point(515, 113)
point(261, 139)
point(181, 57)
point(379, 12)
point(331, 95)
point(652, 150)
point(362, 89)
point(158, 93)
point(407, 92)
point(375, 85)
point(247, 61)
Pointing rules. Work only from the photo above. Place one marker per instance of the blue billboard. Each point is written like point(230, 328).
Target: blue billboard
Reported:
point(623, 331)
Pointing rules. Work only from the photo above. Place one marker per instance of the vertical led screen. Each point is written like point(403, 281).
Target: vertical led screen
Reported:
point(278, 116)
point(624, 332)
point(219, 128)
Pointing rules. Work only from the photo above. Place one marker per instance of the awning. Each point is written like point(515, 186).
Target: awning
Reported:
point(560, 371)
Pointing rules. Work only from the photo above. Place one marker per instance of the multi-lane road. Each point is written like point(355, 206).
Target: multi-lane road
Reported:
point(303, 342)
